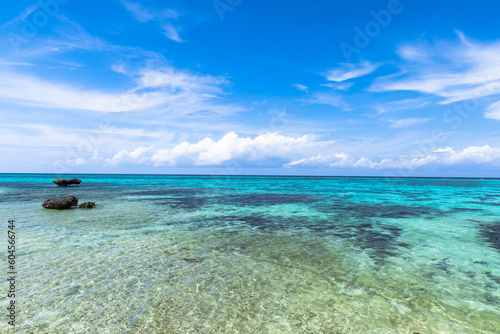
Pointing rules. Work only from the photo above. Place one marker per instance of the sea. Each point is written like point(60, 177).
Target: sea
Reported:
point(252, 254)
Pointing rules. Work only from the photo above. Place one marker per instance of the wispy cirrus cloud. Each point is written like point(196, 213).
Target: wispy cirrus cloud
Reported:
point(493, 111)
point(21, 17)
point(165, 88)
point(349, 71)
point(339, 86)
point(398, 105)
point(172, 33)
point(406, 122)
point(175, 91)
point(328, 98)
point(164, 17)
point(453, 71)
point(14, 63)
point(151, 83)
point(29, 90)
point(143, 14)
point(174, 79)
point(73, 36)
point(156, 84)
point(339, 83)
point(66, 36)
point(301, 87)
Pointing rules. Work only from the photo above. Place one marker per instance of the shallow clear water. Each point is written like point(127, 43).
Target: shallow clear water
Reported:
point(276, 255)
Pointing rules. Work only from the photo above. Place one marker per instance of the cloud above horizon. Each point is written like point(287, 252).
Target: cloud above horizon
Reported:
point(135, 156)
point(231, 146)
point(275, 150)
point(444, 157)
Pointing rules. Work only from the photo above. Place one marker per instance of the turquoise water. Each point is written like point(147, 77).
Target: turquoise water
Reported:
point(266, 255)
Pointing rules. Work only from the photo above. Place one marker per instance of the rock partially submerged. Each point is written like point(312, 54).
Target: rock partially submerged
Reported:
point(65, 182)
point(60, 203)
point(87, 205)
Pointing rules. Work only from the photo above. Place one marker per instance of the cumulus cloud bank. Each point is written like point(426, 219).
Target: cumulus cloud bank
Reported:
point(445, 156)
point(275, 150)
point(135, 156)
point(233, 147)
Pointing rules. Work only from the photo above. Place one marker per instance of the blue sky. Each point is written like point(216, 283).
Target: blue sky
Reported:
point(229, 87)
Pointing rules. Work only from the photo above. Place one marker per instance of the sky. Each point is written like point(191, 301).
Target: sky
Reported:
point(238, 87)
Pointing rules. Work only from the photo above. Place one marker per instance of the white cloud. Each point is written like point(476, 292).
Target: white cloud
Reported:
point(78, 160)
point(14, 63)
point(172, 79)
point(72, 36)
point(301, 87)
point(339, 86)
point(493, 111)
point(144, 14)
point(444, 157)
point(473, 154)
point(350, 71)
point(331, 98)
point(134, 134)
point(174, 91)
point(456, 72)
point(172, 33)
point(232, 147)
point(406, 122)
point(38, 135)
point(95, 156)
point(119, 68)
point(29, 90)
point(21, 17)
point(339, 159)
point(335, 97)
point(159, 87)
point(135, 156)
point(404, 104)
point(70, 163)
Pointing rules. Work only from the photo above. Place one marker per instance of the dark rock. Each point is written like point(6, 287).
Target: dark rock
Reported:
point(87, 205)
point(60, 203)
point(65, 182)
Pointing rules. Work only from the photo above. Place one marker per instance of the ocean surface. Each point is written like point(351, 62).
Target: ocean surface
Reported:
point(200, 254)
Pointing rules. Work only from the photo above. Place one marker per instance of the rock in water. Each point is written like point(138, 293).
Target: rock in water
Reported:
point(87, 205)
point(65, 182)
point(60, 203)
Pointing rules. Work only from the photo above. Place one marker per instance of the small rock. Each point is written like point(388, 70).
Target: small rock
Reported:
point(60, 203)
point(87, 205)
point(65, 182)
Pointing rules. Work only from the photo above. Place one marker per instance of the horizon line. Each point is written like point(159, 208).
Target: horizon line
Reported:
point(271, 175)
